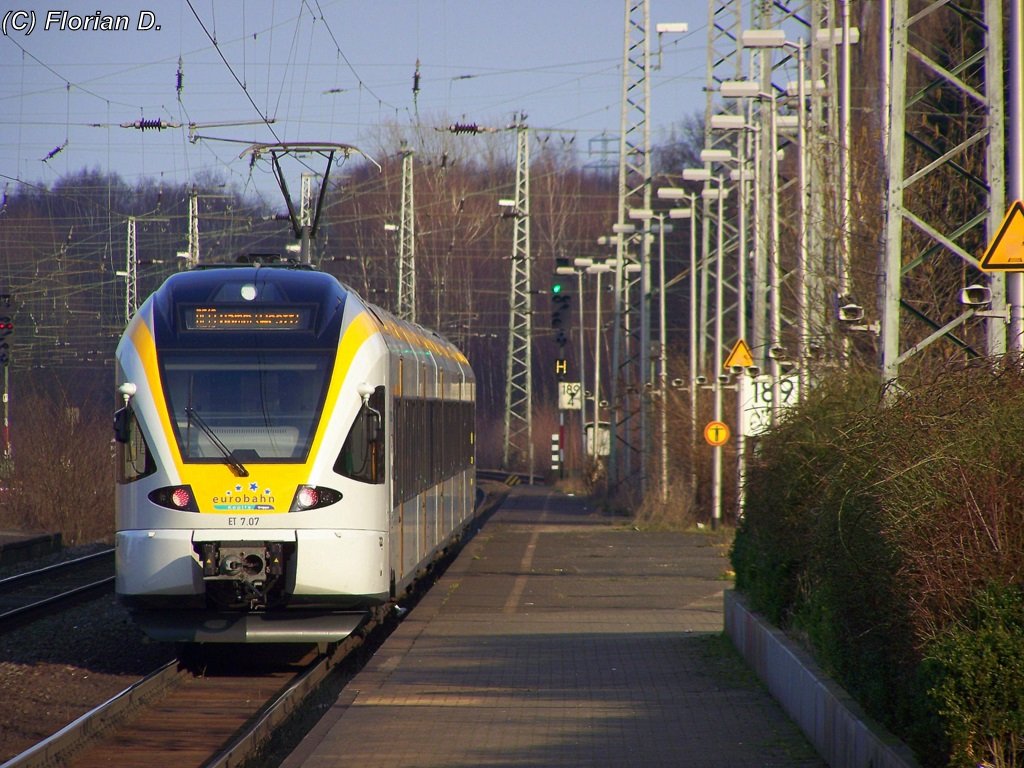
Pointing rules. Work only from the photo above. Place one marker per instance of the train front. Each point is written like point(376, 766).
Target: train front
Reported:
point(247, 395)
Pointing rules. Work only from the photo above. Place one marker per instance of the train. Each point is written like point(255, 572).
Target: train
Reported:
point(288, 455)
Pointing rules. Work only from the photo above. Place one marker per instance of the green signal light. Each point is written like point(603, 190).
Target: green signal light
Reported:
point(556, 288)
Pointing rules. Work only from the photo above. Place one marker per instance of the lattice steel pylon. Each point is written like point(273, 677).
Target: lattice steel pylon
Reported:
point(192, 259)
point(946, 180)
point(306, 210)
point(519, 379)
point(131, 285)
point(306, 200)
point(627, 461)
point(724, 62)
point(407, 243)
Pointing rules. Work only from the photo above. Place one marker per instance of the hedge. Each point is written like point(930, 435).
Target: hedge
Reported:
point(886, 530)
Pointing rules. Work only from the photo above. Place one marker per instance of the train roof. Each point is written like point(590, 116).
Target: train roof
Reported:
point(277, 283)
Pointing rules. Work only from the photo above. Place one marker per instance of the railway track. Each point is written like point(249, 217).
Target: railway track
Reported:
point(37, 593)
point(217, 710)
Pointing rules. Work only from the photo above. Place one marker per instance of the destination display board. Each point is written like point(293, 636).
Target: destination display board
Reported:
point(214, 318)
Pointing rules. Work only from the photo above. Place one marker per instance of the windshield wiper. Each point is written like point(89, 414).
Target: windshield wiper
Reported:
point(229, 456)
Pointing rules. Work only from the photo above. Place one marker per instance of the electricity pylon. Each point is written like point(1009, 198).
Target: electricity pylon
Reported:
point(131, 291)
point(407, 244)
point(519, 380)
point(627, 464)
point(945, 145)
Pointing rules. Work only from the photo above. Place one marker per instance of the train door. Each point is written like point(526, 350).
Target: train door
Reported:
point(427, 462)
point(399, 471)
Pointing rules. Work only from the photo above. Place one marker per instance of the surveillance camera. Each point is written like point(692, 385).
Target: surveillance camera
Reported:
point(851, 313)
point(776, 352)
point(736, 369)
point(787, 365)
point(724, 378)
point(754, 371)
point(976, 295)
point(701, 379)
point(678, 383)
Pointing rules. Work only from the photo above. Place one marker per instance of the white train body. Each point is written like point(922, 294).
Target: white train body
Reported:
point(288, 456)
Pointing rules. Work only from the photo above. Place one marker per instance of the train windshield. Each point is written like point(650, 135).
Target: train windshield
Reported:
point(260, 407)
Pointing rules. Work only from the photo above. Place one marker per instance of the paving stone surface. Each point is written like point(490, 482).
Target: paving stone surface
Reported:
point(561, 636)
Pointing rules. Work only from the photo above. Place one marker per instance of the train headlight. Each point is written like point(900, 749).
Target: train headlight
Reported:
point(175, 497)
point(313, 497)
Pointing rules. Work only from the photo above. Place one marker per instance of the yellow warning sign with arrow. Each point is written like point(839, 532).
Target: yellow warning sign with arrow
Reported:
point(740, 357)
point(1006, 251)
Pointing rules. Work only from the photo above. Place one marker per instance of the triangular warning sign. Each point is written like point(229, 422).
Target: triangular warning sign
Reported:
point(1006, 251)
point(739, 357)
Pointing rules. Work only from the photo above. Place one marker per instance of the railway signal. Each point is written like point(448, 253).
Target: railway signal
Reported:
point(561, 303)
point(6, 329)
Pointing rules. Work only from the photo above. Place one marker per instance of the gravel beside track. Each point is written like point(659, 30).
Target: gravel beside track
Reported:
point(56, 669)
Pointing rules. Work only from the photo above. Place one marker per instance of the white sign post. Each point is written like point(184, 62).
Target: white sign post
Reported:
point(756, 399)
point(603, 439)
point(570, 396)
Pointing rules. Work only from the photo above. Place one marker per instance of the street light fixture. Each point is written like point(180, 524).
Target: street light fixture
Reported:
point(669, 28)
point(728, 122)
point(673, 193)
point(739, 89)
point(715, 156)
point(763, 38)
point(823, 38)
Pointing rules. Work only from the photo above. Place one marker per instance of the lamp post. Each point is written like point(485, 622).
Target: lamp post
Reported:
point(693, 344)
point(718, 192)
point(743, 173)
point(579, 267)
point(739, 174)
point(751, 89)
point(772, 39)
point(597, 269)
point(676, 193)
point(643, 214)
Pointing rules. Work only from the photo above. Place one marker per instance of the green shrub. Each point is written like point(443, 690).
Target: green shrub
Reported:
point(975, 679)
point(784, 485)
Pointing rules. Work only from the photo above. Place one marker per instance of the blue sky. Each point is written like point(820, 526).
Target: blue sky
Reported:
point(323, 70)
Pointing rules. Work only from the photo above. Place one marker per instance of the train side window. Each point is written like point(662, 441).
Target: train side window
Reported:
point(362, 455)
point(134, 459)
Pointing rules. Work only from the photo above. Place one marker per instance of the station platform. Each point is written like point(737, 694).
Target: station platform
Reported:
point(561, 636)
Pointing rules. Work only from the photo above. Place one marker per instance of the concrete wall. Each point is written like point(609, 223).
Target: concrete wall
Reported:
point(832, 721)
